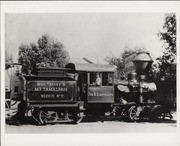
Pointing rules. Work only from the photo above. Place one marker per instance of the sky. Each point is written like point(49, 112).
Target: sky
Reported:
point(90, 35)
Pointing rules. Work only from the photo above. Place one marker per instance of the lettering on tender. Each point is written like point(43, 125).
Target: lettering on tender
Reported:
point(50, 84)
point(54, 89)
point(50, 96)
point(37, 88)
point(47, 95)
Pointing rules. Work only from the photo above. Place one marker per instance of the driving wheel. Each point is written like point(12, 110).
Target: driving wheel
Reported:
point(156, 112)
point(134, 113)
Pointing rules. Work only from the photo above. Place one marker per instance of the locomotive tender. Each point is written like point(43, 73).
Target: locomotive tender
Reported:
point(68, 94)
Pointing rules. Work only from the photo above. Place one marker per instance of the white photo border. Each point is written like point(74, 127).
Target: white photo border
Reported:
point(81, 139)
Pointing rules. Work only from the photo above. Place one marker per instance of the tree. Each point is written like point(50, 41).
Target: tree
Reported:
point(115, 61)
point(119, 61)
point(168, 35)
point(168, 59)
point(128, 51)
point(46, 53)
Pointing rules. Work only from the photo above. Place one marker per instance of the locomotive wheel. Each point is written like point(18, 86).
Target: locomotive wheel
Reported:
point(134, 113)
point(47, 116)
point(156, 112)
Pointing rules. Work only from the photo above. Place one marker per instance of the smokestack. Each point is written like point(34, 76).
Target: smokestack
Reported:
point(142, 63)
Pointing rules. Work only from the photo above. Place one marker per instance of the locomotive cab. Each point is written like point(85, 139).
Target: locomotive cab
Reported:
point(95, 82)
point(95, 85)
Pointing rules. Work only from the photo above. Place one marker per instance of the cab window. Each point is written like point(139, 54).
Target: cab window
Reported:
point(95, 79)
point(107, 79)
point(92, 78)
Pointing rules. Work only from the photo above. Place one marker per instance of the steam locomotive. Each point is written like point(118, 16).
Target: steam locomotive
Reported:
point(68, 94)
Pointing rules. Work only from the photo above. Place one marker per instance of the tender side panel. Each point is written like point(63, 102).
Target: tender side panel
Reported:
point(51, 91)
point(101, 95)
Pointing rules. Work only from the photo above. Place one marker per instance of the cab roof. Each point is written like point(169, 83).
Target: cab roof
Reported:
point(91, 67)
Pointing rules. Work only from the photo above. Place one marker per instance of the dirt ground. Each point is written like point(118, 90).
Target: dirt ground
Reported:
point(97, 126)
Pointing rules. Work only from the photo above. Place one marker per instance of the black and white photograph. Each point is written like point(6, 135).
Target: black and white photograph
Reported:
point(73, 71)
